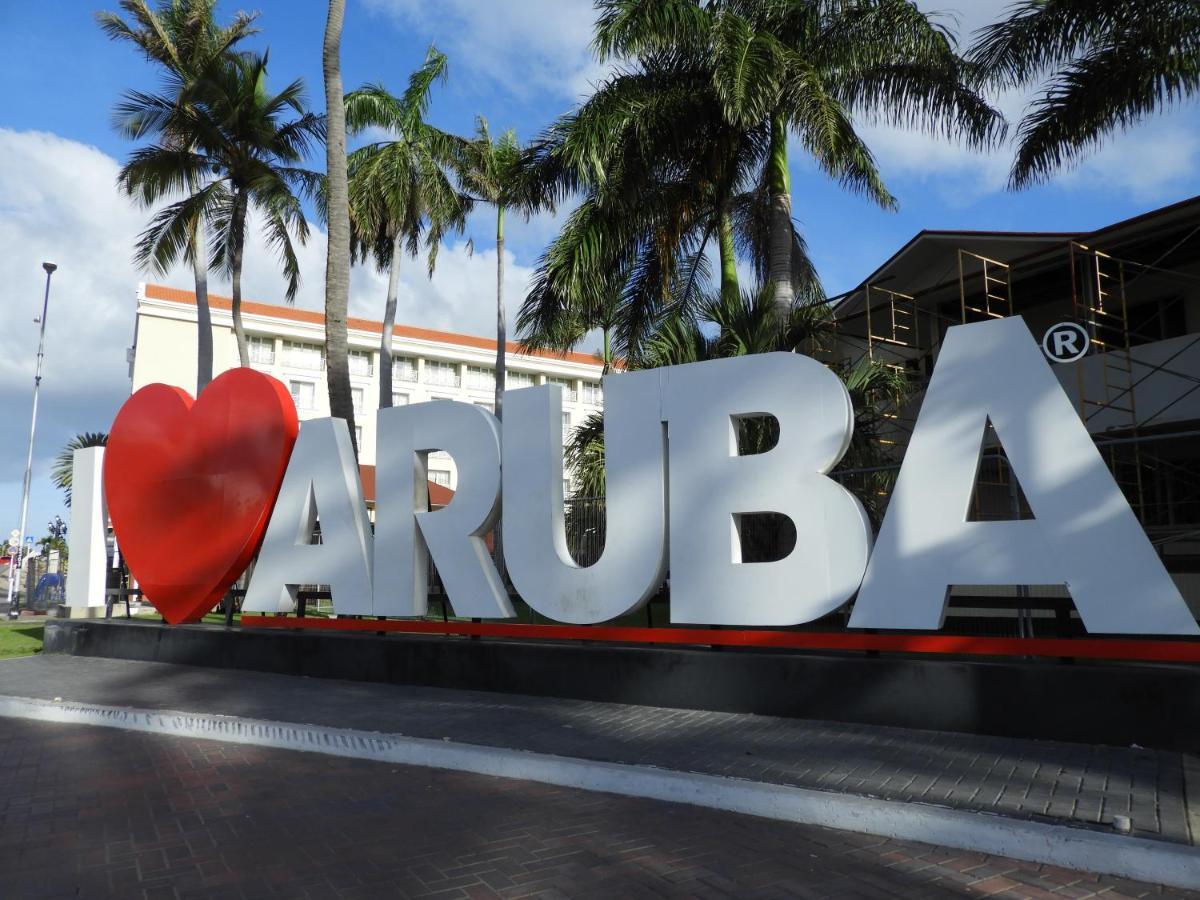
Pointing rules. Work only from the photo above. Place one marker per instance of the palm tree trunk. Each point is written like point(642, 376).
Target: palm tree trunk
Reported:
point(607, 352)
point(239, 243)
point(729, 277)
point(204, 335)
point(501, 324)
point(337, 264)
point(389, 324)
point(779, 184)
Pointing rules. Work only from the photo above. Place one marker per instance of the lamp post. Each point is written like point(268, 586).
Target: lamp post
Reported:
point(37, 383)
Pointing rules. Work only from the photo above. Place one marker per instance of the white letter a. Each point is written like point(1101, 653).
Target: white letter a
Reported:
point(1083, 534)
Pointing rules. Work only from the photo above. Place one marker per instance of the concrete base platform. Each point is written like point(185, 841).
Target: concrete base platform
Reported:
point(1114, 704)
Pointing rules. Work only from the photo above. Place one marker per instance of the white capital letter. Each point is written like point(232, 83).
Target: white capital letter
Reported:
point(711, 486)
point(1083, 533)
point(89, 525)
point(630, 569)
point(407, 532)
point(321, 480)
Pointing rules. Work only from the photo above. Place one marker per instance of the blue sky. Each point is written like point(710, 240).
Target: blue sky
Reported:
point(517, 62)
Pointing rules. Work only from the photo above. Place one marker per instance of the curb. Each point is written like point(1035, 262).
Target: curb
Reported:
point(1140, 859)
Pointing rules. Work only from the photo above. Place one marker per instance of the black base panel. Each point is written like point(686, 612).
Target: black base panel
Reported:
point(1117, 704)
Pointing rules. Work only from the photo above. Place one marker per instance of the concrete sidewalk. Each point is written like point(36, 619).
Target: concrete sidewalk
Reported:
point(1088, 787)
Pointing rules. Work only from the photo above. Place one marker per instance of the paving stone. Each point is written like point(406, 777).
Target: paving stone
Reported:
point(382, 831)
point(325, 827)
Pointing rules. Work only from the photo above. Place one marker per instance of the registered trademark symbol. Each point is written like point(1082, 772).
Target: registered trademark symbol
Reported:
point(1065, 342)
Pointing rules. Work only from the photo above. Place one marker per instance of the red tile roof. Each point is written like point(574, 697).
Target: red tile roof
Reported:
point(294, 314)
point(438, 495)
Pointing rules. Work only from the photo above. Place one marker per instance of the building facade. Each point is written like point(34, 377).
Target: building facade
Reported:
point(288, 343)
point(1133, 286)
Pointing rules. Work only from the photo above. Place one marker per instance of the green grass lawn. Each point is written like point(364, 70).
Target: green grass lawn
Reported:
point(20, 638)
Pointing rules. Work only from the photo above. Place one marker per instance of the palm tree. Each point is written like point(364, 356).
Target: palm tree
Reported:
point(664, 178)
point(62, 471)
point(231, 138)
point(401, 188)
point(1101, 64)
point(182, 37)
point(489, 171)
point(337, 265)
point(597, 309)
point(806, 67)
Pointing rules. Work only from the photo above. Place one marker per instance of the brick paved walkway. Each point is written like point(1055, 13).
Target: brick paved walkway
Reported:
point(1086, 785)
point(95, 812)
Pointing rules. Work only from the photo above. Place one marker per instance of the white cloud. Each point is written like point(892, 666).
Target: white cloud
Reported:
point(1157, 160)
point(58, 202)
point(461, 296)
point(521, 46)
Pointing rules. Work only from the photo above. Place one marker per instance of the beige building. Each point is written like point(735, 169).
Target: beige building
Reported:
point(288, 343)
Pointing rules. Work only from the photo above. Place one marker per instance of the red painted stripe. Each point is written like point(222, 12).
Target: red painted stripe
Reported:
point(1151, 650)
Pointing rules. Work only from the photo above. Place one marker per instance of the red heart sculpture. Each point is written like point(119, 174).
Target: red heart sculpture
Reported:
point(190, 485)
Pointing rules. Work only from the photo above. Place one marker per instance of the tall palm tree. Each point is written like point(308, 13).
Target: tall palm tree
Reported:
point(400, 188)
point(337, 265)
point(182, 37)
point(1101, 65)
point(807, 67)
point(665, 179)
point(63, 469)
point(238, 153)
point(489, 171)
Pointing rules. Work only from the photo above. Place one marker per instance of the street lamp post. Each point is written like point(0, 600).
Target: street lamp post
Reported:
point(37, 383)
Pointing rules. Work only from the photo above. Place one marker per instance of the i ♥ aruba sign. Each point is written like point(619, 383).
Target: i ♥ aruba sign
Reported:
point(194, 489)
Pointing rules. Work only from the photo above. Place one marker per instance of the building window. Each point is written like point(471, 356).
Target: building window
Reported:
point(442, 374)
point(404, 369)
point(358, 437)
point(356, 396)
point(566, 427)
point(566, 488)
point(304, 356)
point(361, 363)
point(303, 394)
point(515, 380)
point(592, 393)
point(262, 350)
point(437, 476)
point(399, 399)
point(569, 392)
point(439, 397)
point(480, 378)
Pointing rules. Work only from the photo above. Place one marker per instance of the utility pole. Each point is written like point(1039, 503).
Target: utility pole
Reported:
point(14, 569)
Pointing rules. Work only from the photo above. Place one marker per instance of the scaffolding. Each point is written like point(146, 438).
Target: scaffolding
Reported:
point(897, 327)
point(892, 340)
point(1099, 304)
point(993, 300)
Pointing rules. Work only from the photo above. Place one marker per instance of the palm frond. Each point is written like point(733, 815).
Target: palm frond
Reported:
point(63, 468)
point(1114, 86)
